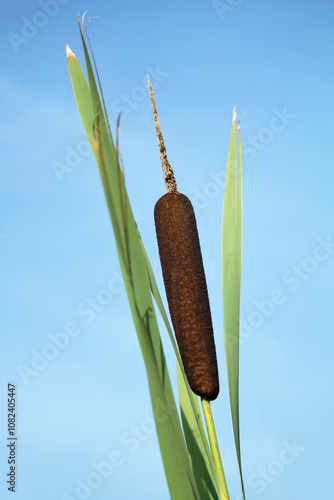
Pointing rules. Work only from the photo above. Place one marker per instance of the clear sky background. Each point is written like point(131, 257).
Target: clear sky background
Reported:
point(273, 60)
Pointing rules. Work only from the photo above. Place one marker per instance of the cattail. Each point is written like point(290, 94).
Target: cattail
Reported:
point(184, 278)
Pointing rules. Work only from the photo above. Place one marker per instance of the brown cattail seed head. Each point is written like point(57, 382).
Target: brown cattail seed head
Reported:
point(187, 295)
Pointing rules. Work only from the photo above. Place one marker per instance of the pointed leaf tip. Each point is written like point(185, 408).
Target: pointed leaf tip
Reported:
point(234, 117)
point(69, 53)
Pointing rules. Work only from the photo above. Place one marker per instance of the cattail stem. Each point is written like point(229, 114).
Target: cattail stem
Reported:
point(166, 167)
point(222, 487)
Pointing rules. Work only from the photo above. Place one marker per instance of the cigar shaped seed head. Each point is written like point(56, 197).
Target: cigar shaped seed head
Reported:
point(186, 290)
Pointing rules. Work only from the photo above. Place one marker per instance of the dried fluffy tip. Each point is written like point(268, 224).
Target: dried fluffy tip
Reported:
point(69, 53)
point(186, 290)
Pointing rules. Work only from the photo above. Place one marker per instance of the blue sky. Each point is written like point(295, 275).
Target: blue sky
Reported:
point(88, 402)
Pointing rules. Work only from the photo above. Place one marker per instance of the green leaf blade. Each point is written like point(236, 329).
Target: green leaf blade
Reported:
point(179, 474)
point(231, 258)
